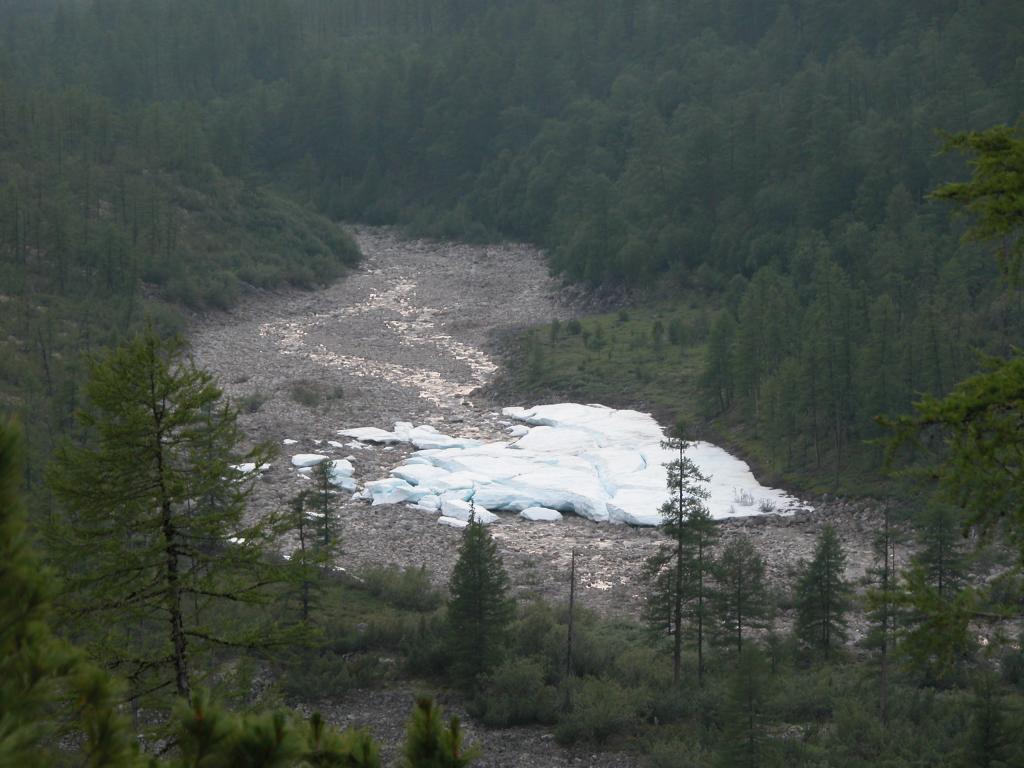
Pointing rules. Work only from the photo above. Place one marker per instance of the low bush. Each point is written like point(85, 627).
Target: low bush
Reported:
point(314, 673)
point(406, 588)
point(516, 694)
point(601, 710)
point(252, 402)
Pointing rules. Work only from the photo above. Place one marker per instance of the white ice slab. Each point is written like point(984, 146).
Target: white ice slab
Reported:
point(307, 459)
point(603, 464)
point(541, 514)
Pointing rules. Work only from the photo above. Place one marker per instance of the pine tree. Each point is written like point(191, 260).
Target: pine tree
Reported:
point(987, 740)
point(479, 609)
point(742, 740)
point(823, 595)
point(740, 597)
point(153, 536)
point(207, 734)
point(941, 557)
point(883, 604)
point(304, 566)
point(679, 574)
point(321, 500)
point(429, 744)
point(308, 528)
point(934, 607)
point(43, 681)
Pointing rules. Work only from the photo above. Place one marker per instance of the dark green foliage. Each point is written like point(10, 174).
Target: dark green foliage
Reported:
point(740, 597)
point(601, 710)
point(297, 529)
point(516, 693)
point(882, 602)
point(43, 681)
point(993, 195)
point(407, 588)
point(208, 735)
point(152, 541)
point(321, 500)
point(977, 445)
point(431, 744)
point(743, 743)
point(679, 574)
point(479, 609)
point(987, 740)
point(823, 595)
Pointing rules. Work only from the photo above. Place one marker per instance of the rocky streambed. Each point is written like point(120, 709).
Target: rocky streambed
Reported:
point(411, 336)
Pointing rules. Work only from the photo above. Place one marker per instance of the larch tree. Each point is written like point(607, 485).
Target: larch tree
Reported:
point(47, 689)
point(971, 440)
point(882, 602)
point(479, 609)
point(153, 543)
point(823, 595)
point(679, 573)
point(740, 596)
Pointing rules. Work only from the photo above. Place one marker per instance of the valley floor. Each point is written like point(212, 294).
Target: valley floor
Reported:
point(409, 336)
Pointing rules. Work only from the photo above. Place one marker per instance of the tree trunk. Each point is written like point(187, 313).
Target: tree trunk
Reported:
point(178, 640)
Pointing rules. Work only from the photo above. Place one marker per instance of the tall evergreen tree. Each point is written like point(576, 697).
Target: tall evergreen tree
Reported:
point(46, 688)
point(883, 604)
point(480, 608)
point(822, 595)
point(742, 738)
point(679, 574)
point(153, 534)
point(740, 596)
point(321, 500)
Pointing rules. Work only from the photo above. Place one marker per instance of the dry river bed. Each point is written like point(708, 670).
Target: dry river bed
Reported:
point(409, 336)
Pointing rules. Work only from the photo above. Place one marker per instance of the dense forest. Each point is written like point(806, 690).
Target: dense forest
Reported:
point(761, 188)
point(773, 158)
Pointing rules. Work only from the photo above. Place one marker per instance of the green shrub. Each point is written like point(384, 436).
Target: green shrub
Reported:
point(426, 647)
point(406, 588)
point(574, 327)
point(314, 673)
point(515, 694)
point(538, 632)
point(601, 710)
point(252, 402)
point(677, 332)
point(306, 392)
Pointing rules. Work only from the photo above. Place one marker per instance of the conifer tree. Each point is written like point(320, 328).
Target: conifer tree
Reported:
point(823, 595)
point(153, 535)
point(934, 607)
point(679, 574)
point(479, 609)
point(742, 739)
point(883, 604)
point(430, 744)
point(43, 681)
point(308, 527)
point(321, 500)
point(740, 597)
point(304, 563)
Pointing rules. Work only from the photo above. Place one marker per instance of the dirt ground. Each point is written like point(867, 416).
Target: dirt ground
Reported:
point(409, 336)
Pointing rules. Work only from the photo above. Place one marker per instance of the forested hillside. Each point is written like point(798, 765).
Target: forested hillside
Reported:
point(773, 158)
point(767, 191)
